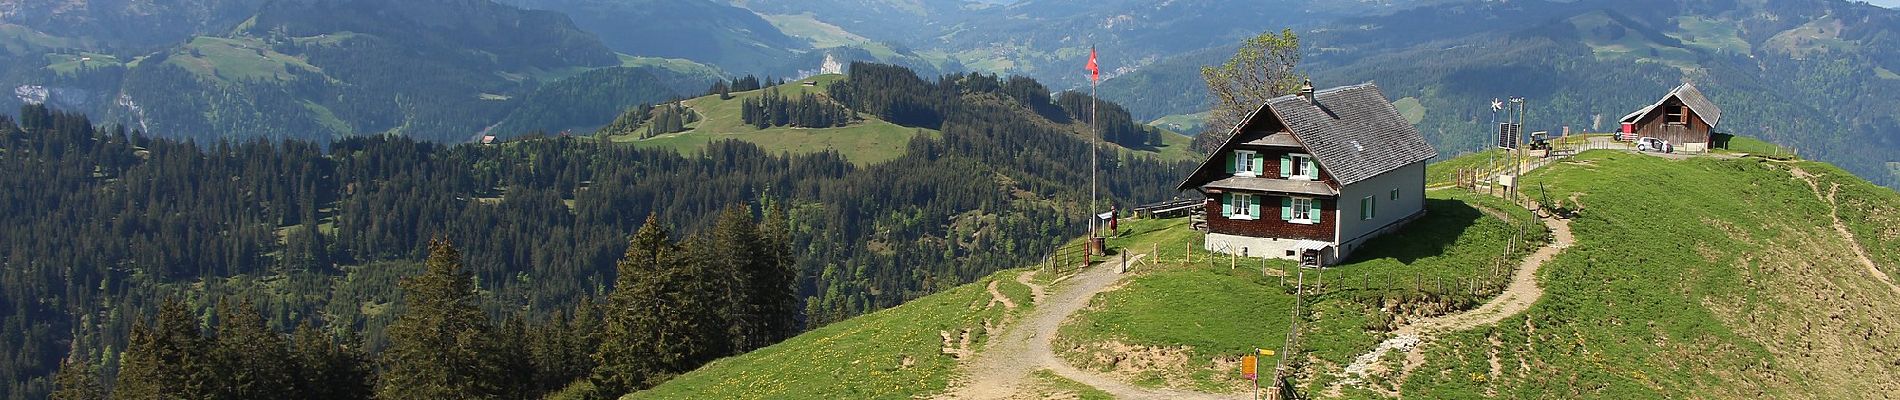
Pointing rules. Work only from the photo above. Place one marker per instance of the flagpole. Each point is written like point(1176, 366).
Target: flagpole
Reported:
point(1095, 134)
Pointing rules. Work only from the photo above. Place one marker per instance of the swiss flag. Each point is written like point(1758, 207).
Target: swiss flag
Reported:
point(1095, 70)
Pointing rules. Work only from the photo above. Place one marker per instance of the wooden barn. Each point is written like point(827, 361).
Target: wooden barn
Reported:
point(1312, 176)
point(1684, 117)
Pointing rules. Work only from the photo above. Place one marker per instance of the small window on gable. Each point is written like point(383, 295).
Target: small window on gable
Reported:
point(1675, 114)
point(1244, 161)
point(1395, 194)
point(1300, 167)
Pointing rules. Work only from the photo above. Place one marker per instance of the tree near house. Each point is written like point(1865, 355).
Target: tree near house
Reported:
point(1265, 67)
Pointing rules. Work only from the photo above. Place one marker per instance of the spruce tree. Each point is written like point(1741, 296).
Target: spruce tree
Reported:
point(731, 256)
point(517, 365)
point(562, 348)
point(439, 346)
point(247, 357)
point(77, 380)
point(326, 370)
point(661, 317)
point(165, 360)
point(778, 285)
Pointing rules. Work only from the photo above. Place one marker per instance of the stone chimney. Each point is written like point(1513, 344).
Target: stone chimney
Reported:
point(1306, 90)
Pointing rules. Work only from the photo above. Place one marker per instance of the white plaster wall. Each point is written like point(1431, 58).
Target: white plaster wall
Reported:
point(1409, 180)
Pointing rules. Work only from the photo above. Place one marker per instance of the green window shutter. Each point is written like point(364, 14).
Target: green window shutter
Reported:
point(1318, 215)
point(1286, 208)
point(1364, 208)
point(1286, 165)
point(1312, 172)
point(1230, 162)
point(1227, 204)
point(1259, 165)
point(1253, 206)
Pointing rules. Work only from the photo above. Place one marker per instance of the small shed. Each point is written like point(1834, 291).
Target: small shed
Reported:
point(1684, 117)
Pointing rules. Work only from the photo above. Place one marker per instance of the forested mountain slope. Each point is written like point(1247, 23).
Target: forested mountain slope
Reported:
point(440, 70)
point(132, 24)
point(707, 31)
point(111, 221)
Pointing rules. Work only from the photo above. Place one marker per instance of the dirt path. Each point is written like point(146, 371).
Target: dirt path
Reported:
point(996, 296)
point(1517, 297)
point(1834, 211)
point(1036, 292)
point(1001, 370)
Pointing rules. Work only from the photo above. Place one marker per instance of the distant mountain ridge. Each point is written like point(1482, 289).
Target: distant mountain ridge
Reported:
point(707, 31)
point(1812, 74)
point(436, 69)
point(129, 23)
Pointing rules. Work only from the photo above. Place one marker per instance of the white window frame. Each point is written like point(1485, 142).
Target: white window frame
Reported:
point(1303, 211)
point(1244, 160)
point(1243, 205)
point(1298, 166)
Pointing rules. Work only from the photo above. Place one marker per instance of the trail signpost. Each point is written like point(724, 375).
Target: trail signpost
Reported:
point(1250, 369)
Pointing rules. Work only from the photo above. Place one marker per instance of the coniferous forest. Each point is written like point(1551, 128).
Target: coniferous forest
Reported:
point(404, 269)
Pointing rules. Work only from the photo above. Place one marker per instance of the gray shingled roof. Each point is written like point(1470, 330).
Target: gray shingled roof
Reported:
point(1353, 132)
point(1692, 98)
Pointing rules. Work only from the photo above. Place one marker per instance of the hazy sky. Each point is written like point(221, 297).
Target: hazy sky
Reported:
point(1886, 3)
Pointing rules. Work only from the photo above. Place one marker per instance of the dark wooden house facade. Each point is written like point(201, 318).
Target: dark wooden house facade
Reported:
point(1312, 176)
point(1684, 117)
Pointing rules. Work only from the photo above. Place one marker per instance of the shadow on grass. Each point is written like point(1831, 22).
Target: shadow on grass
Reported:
point(1444, 222)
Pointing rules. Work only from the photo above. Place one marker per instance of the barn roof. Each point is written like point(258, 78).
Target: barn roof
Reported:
point(1691, 97)
point(1352, 131)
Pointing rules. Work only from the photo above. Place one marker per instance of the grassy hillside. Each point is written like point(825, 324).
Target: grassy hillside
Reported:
point(1708, 278)
point(236, 59)
point(894, 353)
point(1444, 262)
point(865, 142)
point(1233, 311)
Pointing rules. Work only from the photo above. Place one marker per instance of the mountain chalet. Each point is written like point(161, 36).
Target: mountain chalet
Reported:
point(1313, 176)
point(1684, 118)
